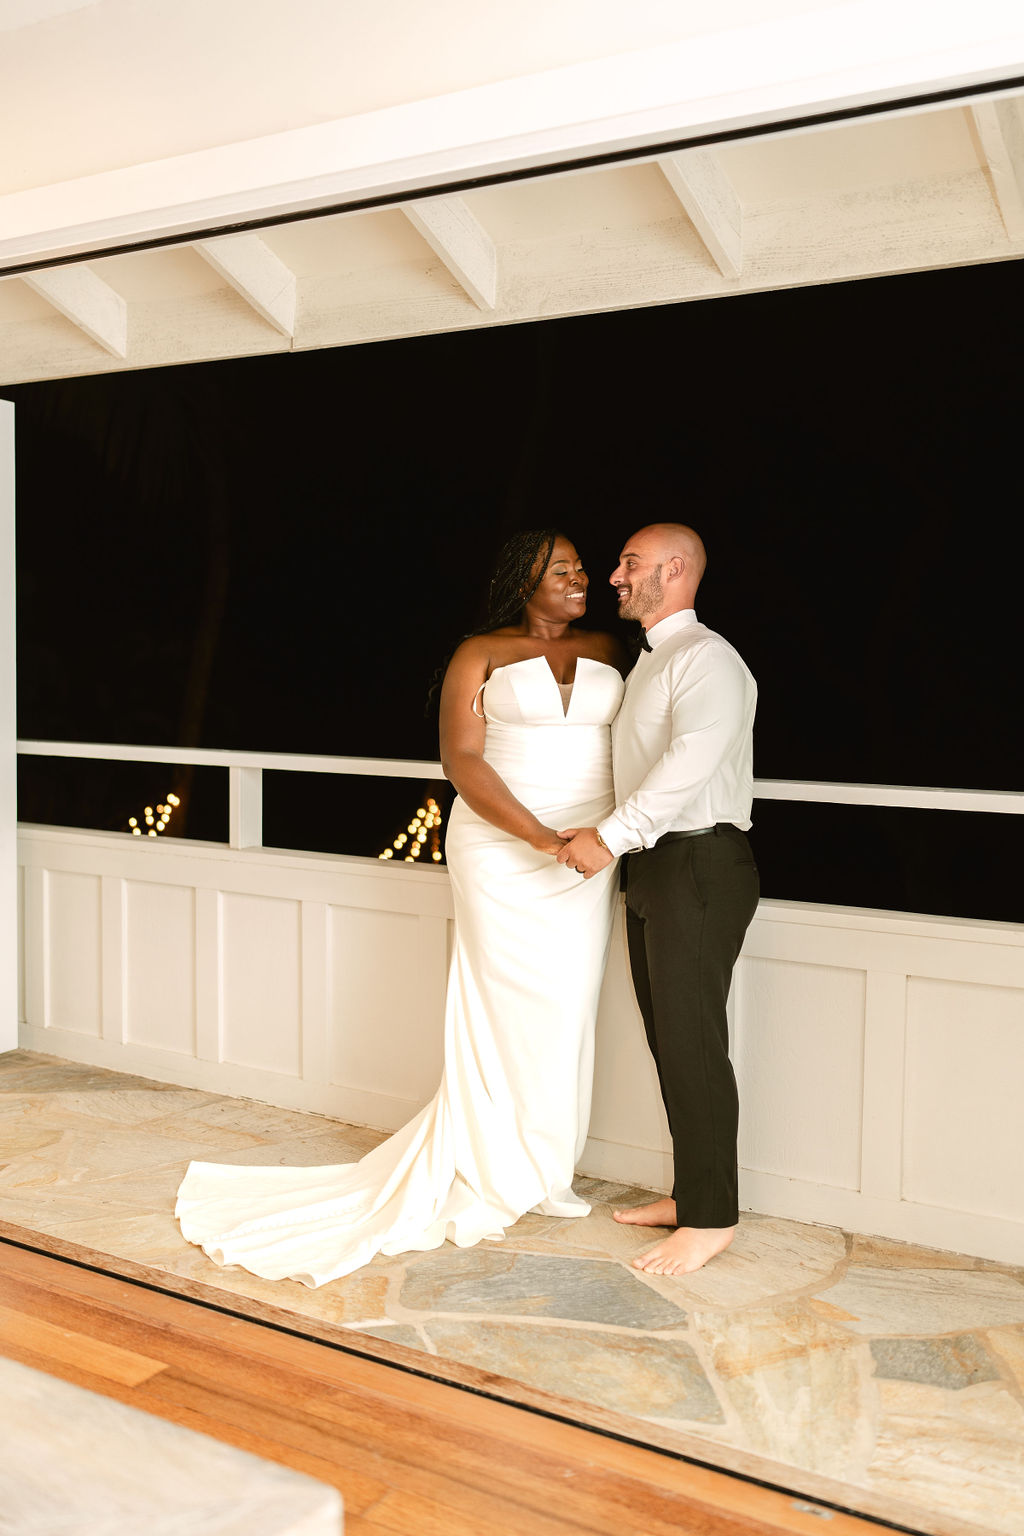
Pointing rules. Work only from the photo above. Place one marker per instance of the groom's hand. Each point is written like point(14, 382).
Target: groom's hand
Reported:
point(584, 852)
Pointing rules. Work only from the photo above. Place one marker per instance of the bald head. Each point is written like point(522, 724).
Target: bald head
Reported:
point(659, 571)
point(677, 541)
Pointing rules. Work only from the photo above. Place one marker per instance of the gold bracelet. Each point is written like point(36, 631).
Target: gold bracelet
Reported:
point(601, 840)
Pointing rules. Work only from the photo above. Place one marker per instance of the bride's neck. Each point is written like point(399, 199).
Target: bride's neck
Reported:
point(539, 629)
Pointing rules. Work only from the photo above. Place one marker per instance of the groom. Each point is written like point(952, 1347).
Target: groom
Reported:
point(682, 757)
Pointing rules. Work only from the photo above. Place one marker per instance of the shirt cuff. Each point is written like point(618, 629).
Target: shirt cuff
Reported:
point(617, 838)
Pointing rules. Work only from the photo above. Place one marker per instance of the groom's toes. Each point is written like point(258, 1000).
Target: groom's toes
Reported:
point(651, 1262)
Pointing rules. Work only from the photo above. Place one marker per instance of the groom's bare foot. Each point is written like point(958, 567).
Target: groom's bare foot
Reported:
point(662, 1213)
point(686, 1250)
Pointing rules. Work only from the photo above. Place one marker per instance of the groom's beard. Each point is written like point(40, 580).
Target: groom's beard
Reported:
point(646, 597)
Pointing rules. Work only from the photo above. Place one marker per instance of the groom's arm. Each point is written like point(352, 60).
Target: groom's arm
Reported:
point(708, 703)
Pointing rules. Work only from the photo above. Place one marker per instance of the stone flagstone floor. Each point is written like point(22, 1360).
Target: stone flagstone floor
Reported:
point(896, 1371)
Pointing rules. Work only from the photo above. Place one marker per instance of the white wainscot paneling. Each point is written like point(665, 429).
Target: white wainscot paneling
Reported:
point(964, 1122)
point(261, 983)
point(73, 952)
point(799, 1053)
point(386, 1010)
point(159, 963)
point(629, 1137)
point(879, 1054)
point(22, 1015)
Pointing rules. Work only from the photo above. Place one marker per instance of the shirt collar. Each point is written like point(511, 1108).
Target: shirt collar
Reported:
point(670, 626)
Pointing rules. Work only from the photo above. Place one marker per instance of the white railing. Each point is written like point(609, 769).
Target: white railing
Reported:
point(878, 1053)
point(246, 769)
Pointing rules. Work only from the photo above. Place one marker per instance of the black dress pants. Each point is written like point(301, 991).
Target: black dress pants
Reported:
point(689, 903)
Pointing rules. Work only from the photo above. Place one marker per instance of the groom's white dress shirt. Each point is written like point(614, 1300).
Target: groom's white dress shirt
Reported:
point(682, 749)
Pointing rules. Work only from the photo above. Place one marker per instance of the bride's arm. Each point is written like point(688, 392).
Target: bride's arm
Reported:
point(462, 752)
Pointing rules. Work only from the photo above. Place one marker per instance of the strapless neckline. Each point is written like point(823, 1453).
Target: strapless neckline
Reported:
point(529, 667)
point(532, 661)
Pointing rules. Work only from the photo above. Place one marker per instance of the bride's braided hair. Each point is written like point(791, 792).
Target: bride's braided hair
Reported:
point(513, 584)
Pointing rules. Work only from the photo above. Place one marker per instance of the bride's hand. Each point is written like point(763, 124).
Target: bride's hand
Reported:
point(548, 841)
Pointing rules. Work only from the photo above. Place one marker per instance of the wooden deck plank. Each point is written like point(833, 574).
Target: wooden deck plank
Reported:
point(406, 1452)
point(52, 1340)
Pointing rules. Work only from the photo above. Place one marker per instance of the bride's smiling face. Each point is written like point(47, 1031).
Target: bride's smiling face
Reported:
point(562, 593)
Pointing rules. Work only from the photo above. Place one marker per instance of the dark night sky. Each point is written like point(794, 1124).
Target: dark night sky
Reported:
point(846, 451)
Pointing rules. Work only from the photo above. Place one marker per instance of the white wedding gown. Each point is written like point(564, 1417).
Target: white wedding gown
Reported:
point(504, 1130)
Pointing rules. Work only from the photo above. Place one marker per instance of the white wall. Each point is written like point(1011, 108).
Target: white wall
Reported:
point(879, 1055)
point(8, 737)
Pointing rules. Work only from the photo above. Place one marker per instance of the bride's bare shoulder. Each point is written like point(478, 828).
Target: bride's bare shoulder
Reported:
point(482, 653)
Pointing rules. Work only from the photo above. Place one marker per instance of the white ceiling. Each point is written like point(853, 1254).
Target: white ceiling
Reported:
point(87, 88)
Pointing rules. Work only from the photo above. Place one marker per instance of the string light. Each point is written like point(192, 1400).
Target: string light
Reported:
point(422, 834)
point(156, 823)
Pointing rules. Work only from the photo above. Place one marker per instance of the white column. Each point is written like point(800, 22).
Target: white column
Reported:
point(8, 747)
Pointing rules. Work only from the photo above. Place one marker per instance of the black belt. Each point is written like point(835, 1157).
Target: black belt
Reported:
point(674, 837)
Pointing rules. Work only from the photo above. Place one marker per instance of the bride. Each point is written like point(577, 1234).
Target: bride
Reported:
point(526, 707)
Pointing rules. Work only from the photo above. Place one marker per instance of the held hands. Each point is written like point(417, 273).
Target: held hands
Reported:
point(548, 841)
point(583, 852)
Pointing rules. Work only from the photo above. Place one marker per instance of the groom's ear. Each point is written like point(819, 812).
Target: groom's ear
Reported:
point(674, 567)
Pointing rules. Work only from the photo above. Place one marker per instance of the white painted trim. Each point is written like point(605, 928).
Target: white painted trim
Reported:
point(709, 199)
point(215, 757)
point(245, 807)
point(113, 959)
point(257, 274)
point(457, 238)
point(647, 1167)
point(209, 1003)
point(315, 962)
point(908, 1221)
point(8, 743)
point(913, 797)
point(33, 939)
point(1000, 129)
point(88, 302)
point(885, 1008)
point(859, 53)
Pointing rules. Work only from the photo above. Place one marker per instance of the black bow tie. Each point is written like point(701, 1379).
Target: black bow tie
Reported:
point(645, 644)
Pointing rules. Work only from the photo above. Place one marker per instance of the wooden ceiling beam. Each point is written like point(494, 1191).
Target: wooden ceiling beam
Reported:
point(88, 302)
point(457, 238)
point(257, 275)
point(706, 193)
point(1000, 130)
